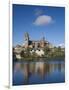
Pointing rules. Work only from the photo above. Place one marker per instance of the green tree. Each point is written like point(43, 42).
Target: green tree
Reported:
point(47, 51)
point(22, 54)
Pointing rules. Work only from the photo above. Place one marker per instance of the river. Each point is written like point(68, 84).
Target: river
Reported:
point(38, 72)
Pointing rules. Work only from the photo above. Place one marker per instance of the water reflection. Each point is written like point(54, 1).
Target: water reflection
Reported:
point(38, 72)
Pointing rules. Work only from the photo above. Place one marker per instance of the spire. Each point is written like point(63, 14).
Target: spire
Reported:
point(43, 38)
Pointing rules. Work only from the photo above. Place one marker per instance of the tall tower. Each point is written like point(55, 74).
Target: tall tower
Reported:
point(43, 38)
point(42, 41)
point(26, 39)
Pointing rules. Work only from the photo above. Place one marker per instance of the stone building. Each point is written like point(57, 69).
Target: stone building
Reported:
point(35, 44)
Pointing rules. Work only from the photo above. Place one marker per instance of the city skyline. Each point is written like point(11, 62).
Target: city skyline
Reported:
point(38, 21)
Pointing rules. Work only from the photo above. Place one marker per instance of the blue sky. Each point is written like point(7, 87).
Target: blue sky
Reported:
point(38, 21)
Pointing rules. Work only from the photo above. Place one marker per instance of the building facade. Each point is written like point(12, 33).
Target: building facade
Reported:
point(35, 44)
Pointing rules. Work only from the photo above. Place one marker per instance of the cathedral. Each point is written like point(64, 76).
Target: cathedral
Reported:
point(36, 46)
point(34, 43)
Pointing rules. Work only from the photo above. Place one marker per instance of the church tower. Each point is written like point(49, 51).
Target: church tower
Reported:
point(42, 44)
point(26, 39)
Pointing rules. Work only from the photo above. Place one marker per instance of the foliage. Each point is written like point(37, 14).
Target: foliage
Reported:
point(48, 53)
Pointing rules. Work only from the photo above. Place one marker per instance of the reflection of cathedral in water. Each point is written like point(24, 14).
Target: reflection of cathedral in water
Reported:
point(41, 68)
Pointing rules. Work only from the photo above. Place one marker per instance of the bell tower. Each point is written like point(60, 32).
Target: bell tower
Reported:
point(26, 39)
point(42, 41)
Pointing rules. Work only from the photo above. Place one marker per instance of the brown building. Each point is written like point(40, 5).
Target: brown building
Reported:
point(35, 44)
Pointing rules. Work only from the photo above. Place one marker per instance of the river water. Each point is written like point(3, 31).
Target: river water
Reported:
point(38, 72)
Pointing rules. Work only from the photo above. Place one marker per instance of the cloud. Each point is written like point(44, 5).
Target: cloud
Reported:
point(43, 20)
point(61, 45)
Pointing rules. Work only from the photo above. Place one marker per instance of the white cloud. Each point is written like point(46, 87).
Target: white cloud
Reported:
point(43, 20)
point(61, 45)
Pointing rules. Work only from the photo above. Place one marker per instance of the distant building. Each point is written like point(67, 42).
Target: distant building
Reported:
point(36, 46)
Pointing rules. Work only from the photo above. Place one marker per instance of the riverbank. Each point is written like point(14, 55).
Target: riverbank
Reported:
point(40, 58)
